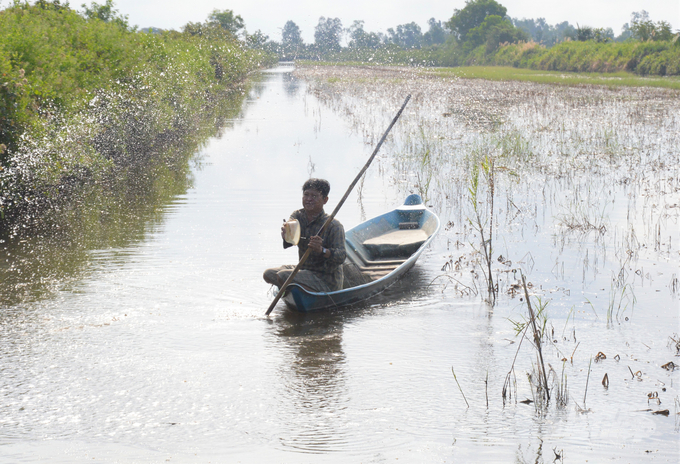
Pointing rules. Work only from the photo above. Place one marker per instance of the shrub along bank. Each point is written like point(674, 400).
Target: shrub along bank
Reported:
point(642, 58)
point(80, 97)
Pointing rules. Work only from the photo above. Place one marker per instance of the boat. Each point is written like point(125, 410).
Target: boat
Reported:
point(379, 252)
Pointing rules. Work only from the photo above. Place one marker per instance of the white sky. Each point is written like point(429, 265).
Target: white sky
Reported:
point(379, 15)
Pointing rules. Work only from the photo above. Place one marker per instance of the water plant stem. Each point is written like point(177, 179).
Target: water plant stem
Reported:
point(459, 388)
point(537, 339)
point(587, 379)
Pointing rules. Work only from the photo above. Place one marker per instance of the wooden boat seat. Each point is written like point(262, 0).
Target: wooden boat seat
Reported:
point(403, 242)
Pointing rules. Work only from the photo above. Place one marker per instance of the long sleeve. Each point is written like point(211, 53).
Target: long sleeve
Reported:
point(335, 241)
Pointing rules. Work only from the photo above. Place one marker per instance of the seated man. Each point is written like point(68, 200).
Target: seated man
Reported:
point(322, 271)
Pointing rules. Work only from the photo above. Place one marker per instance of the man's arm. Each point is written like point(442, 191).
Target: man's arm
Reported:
point(336, 244)
point(294, 215)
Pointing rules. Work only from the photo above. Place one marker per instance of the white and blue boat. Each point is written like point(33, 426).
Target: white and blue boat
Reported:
point(379, 252)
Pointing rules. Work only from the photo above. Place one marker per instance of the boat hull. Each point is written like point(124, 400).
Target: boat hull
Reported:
point(385, 247)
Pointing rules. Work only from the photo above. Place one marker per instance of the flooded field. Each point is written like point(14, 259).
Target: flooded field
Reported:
point(153, 346)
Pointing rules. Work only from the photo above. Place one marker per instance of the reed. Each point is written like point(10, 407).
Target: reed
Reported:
point(482, 221)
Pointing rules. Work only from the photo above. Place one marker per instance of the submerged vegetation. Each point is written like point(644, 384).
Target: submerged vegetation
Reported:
point(83, 96)
point(514, 166)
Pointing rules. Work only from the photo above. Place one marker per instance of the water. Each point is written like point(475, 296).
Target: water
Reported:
point(154, 348)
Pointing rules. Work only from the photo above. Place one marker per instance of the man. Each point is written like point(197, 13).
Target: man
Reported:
point(322, 271)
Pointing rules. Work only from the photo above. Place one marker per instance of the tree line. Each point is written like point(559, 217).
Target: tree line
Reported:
point(473, 34)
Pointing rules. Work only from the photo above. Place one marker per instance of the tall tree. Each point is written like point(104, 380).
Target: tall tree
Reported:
point(493, 31)
point(291, 41)
point(643, 28)
point(359, 38)
point(406, 36)
point(327, 34)
point(105, 12)
point(290, 35)
point(436, 34)
point(227, 20)
point(257, 39)
point(472, 15)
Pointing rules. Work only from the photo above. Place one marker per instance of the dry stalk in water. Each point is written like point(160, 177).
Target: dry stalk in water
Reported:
point(461, 390)
point(537, 340)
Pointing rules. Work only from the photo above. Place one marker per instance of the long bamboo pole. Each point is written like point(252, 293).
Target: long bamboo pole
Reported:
point(337, 208)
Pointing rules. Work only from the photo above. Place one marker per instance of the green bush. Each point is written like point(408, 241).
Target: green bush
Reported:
point(656, 58)
point(79, 95)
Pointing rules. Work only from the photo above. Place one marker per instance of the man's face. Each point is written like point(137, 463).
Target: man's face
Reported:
point(313, 201)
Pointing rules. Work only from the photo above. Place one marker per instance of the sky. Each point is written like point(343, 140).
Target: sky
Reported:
point(269, 16)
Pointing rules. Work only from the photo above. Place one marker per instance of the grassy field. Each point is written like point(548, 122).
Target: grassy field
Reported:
point(501, 73)
point(507, 73)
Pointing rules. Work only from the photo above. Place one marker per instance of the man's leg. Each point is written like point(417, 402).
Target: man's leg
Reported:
point(308, 279)
point(273, 276)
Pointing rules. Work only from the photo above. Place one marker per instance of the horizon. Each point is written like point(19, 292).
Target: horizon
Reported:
point(269, 16)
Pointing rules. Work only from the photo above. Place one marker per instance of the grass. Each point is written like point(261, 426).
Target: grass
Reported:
point(505, 73)
point(508, 73)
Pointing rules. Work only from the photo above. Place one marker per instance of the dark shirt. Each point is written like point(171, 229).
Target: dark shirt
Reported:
point(333, 238)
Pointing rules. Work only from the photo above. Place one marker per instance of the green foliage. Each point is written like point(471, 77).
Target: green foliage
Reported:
point(657, 58)
point(546, 34)
point(291, 34)
point(105, 12)
point(473, 15)
point(644, 29)
point(79, 94)
point(227, 21)
point(599, 35)
point(359, 38)
point(436, 34)
point(483, 23)
point(292, 45)
point(327, 34)
point(257, 39)
point(493, 31)
point(406, 36)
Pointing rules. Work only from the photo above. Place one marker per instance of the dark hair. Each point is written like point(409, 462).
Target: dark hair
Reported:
point(320, 185)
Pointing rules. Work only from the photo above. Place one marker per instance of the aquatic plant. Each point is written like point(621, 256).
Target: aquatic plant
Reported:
point(479, 224)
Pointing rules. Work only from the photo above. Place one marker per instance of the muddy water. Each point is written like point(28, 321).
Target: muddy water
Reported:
point(155, 348)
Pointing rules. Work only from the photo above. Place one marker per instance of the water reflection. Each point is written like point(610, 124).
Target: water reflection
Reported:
point(314, 381)
point(315, 398)
point(56, 247)
point(291, 84)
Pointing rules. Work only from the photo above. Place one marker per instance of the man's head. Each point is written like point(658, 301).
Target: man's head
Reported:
point(315, 195)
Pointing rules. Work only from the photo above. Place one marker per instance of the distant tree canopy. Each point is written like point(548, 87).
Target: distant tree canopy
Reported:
point(473, 34)
point(544, 33)
point(327, 34)
point(494, 30)
point(406, 36)
point(105, 12)
point(599, 34)
point(291, 41)
point(290, 36)
point(359, 38)
point(484, 22)
point(644, 29)
point(257, 39)
point(227, 20)
point(473, 15)
point(436, 34)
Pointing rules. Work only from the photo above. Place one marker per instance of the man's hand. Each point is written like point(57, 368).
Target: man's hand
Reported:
point(316, 244)
point(283, 230)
